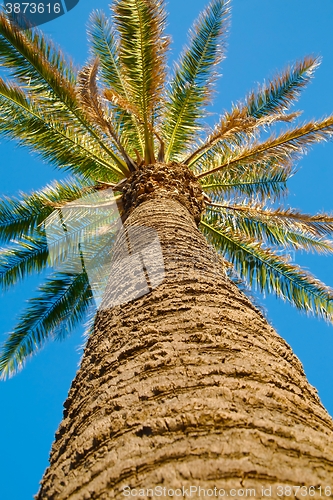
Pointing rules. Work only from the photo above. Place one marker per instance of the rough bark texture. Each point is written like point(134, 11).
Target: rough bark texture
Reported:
point(172, 180)
point(187, 385)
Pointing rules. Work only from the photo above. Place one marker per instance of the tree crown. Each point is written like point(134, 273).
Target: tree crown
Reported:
point(122, 112)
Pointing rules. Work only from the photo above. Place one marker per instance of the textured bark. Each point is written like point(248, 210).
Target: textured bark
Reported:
point(187, 385)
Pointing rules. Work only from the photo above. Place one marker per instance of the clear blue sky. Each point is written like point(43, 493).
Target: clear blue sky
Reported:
point(265, 35)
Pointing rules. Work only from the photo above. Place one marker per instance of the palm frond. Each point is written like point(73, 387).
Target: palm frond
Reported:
point(64, 239)
point(232, 131)
point(35, 61)
point(43, 71)
point(62, 302)
point(21, 259)
point(277, 95)
point(266, 226)
point(60, 143)
point(59, 244)
point(270, 272)
point(128, 121)
point(265, 106)
point(254, 183)
point(90, 101)
point(282, 149)
point(318, 225)
point(124, 104)
point(23, 215)
point(143, 46)
point(131, 110)
point(105, 47)
point(85, 221)
point(52, 229)
point(192, 84)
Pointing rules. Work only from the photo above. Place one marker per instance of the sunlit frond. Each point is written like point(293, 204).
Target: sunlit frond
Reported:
point(43, 72)
point(270, 228)
point(269, 272)
point(89, 98)
point(84, 222)
point(60, 242)
point(256, 182)
point(261, 108)
point(35, 61)
point(23, 215)
point(277, 95)
point(22, 259)
point(282, 149)
point(232, 131)
point(143, 45)
point(105, 47)
point(23, 119)
point(61, 304)
point(192, 84)
point(319, 225)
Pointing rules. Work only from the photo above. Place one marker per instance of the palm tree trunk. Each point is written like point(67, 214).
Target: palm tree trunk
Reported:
point(185, 386)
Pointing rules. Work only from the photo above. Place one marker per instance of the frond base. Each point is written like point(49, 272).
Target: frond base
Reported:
point(171, 180)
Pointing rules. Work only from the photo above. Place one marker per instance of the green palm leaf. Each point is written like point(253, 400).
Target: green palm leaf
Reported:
point(268, 227)
point(234, 129)
point(282, 149)
point(261, 108)
point(22, 216)
point(191, 85)
point(269, 272)
point(60, 143)
point(42, 70)
point(22, 259)
point(143, 45)
point(36, 62)
point(277, 95)
point(63, 301)
point(67, 229)
point(318, 225)
point(105, 48)
point(256, 183)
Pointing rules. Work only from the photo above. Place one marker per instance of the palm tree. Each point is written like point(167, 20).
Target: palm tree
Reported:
point(183, 382)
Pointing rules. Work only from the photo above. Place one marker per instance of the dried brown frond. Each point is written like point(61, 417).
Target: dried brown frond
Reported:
point(89, 96)
point(318, 225)
point(124, 104)
point(285, 148)
point(121, 102)
point(89, 99)
point(235, 125)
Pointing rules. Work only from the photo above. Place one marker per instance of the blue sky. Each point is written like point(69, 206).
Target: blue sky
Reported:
point(265, 36)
